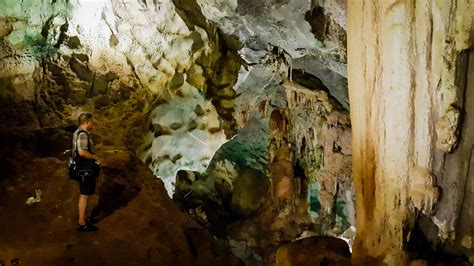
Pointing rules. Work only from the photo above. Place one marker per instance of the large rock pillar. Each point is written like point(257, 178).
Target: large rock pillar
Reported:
point(405, 103)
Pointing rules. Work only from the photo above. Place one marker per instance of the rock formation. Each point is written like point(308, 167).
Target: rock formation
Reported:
point(128, 61)
point(242, 109)
point(407, 76)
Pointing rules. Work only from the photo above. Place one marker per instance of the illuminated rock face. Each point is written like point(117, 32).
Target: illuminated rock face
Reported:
point(306, 35)
point(160, 78)
point(286, 174)
point(242, 108)
point(407, 76)
point(133, 61)
point(293, 134)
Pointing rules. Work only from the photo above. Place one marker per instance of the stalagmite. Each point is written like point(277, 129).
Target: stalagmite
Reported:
point(406, 103)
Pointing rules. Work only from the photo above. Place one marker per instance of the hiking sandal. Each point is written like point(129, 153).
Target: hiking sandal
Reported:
point(91, 220)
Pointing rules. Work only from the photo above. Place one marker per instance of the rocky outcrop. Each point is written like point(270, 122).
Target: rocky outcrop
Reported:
point(292, 153)
point(407, 88)
point(308, 35)
point(125, 61)
point(314, 251)
point(285, 174)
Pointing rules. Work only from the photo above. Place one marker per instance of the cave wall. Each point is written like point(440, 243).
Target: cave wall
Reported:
point(293, 138)
point(126, 61)
point(286, 173)
point(407, 72)
point(173, 81)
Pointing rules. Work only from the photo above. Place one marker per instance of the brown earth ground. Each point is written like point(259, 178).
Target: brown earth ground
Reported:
point(139, 224)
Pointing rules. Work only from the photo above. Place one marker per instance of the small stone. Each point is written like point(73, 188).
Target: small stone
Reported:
point(180, 93)
point(214, 130)
point(161, 130)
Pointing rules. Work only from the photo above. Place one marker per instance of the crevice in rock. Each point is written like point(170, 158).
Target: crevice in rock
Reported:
point(318, 21)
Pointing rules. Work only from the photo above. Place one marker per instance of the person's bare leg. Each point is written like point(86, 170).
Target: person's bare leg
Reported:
point(82, 209)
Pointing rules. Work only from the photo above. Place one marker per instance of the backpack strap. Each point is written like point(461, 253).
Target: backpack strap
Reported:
point(76, 150)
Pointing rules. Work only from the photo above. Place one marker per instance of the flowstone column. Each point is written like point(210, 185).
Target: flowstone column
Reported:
point(405, 112)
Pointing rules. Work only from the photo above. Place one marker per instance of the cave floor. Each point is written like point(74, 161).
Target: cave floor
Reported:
point(139, 224)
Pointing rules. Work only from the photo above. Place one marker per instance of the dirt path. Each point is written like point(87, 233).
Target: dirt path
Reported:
point(139, 224)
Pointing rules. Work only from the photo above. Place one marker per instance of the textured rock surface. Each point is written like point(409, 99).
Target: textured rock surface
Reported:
point(314, 251)
point(294, 144)
point(307, 35)
point(241, 107)
point(168, 71)
point(127, 61)
point(407, 121)
point(293, 137)
point(139, 224)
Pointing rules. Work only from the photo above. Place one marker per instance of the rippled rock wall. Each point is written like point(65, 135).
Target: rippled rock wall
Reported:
point(126, 61)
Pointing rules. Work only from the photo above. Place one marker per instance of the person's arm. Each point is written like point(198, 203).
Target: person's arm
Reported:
point(86, 154)
point(82, 148)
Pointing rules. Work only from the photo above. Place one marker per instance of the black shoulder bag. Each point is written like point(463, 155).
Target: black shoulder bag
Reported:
point(79, 167)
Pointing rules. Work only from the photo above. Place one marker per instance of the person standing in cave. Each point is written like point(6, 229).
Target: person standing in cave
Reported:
point(83, 144)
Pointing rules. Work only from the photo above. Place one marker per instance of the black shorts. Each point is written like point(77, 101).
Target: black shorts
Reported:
point(87, 185)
